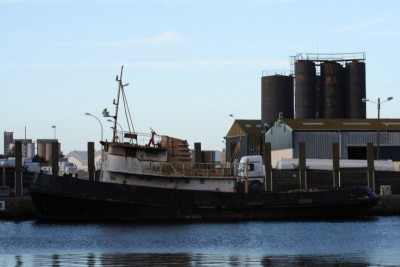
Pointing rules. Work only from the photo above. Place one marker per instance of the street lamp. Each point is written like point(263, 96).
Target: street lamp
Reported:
point(378, 104)
point(122, 130)
point(101, 125)
point(118, 125)
point(54, 127)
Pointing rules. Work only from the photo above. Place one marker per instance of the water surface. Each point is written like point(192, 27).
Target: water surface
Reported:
point(372, 241)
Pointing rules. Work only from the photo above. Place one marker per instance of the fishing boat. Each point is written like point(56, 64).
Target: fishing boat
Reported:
point(151, 177)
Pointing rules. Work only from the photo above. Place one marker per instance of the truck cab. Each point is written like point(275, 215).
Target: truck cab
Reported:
point(67, 168)
point(255, 171)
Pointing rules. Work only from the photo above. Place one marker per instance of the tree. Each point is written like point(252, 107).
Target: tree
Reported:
point(39, 159)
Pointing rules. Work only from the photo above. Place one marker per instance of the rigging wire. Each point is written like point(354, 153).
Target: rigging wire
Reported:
point(127, 112)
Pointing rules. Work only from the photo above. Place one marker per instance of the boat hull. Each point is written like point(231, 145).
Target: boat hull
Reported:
point(67, 198)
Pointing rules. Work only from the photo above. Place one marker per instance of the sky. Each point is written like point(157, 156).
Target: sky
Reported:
point(189, 63)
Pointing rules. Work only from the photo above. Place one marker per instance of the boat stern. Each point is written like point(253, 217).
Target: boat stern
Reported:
point(367, 195)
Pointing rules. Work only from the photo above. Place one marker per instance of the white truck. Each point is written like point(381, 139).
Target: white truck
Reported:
point(64, 168)
point(255, 171)
point(67, 168)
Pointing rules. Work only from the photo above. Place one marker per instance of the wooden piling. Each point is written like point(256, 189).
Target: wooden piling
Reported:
point(268, 167)
point(91, 167)
point(4, 180)
point(302, 166)
point(335, 165)
point(197, 153)
point(18, 169)
point(54, 157)
point(371, 167)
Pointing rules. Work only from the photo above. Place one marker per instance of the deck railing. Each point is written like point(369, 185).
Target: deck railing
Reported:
point(206, 169)
point(137, 138)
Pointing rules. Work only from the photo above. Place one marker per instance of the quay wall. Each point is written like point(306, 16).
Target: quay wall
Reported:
point(284, 180)
point(17, 208)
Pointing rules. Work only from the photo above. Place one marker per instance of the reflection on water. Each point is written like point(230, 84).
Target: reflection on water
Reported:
point(182, 259)
point(330, 243)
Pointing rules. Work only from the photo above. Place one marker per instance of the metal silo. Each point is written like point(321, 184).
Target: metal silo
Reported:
point(276, 97)
point(305, 89)
point(355, 90)
point(30, 150)
point(41, 147)
point(48, 151)
point(333, 93)
point(318, 97)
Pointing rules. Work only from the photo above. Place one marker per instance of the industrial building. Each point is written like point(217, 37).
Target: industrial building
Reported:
point(328, 86)
point(8, 140)
point(244, 138)
point(44, 148)
point(28, 147)
point(322, 101)
point(352, 135)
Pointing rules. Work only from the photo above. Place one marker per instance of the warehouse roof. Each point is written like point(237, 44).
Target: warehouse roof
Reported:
point(243, 127)
point(341, 124)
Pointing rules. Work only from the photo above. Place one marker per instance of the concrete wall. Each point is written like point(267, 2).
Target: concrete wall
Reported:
point(282, 153)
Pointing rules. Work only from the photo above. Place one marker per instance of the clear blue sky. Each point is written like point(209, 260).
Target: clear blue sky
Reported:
point(190, 63)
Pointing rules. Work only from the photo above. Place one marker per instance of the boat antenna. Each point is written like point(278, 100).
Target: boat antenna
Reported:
point(127, 112)
point(119, 80)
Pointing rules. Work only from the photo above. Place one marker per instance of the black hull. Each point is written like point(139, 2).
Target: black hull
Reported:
point(65, 198)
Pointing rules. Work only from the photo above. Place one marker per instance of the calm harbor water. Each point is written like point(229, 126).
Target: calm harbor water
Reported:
point(365, 242)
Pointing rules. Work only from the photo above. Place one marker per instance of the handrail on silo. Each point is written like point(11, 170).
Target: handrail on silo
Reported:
point(320, 57)
point(283, 72)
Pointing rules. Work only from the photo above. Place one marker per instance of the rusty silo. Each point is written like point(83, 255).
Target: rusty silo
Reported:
point(48, 151)
point(276, 97)
point(333, 92)
point(318, 98)
point(355, 90)
point(305, 89)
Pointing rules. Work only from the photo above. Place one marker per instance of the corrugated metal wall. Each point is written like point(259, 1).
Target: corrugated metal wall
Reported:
point(230, 146)
point(254, 144)
point(319, 144)
point(280, 137)
point(231, 143)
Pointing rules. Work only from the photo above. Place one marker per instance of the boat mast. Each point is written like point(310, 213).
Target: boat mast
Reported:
point(120, 86)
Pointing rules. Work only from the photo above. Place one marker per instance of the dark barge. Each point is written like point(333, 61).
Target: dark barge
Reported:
point(155, 180)
point(67, 198)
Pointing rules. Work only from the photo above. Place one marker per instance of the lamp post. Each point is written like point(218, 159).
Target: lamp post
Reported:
point(101, 125)
point(378, 104)
point(54, 127)
point(122, 130)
